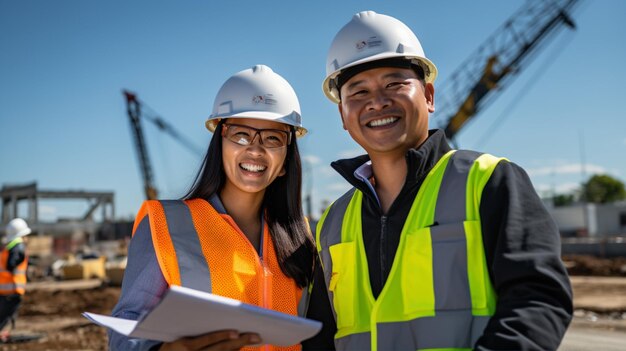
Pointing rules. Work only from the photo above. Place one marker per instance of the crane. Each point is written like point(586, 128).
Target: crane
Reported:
point(483, 76)
point(135, 115)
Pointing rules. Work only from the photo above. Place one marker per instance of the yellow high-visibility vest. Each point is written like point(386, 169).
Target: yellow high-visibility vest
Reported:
point(438, 295)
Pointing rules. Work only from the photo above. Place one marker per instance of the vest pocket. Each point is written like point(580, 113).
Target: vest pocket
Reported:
point(450, 267)
point(343, 282)
point(415, 290)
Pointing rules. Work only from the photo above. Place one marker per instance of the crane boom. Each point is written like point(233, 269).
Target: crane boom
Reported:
point(135, 115)
point(133, 108)
point(482, 76)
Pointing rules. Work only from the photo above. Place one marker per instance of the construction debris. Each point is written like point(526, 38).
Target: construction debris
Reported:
point(594, 266)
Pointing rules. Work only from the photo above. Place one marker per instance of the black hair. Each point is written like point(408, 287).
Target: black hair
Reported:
point(282, 204)
point(398, 62)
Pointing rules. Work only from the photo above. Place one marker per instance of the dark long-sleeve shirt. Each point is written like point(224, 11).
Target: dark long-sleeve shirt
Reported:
point(17, 255)
point(522, 248)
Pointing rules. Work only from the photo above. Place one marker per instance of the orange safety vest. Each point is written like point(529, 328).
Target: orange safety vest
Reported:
point(12, 282)
point(199, 248)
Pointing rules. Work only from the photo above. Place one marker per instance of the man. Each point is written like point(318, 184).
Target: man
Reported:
point(13, 264)
point(433, 248)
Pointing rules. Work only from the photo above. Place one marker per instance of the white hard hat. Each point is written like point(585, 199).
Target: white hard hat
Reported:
point(368, 37)
point(257, 93)
point(17, 228)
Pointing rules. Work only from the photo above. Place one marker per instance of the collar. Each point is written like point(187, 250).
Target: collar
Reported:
point(11, 244)
point(217, 204)
point(365, 174)
point(420, 161)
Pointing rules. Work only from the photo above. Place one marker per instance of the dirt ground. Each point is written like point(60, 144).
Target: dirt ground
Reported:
point(52, 311)
point(594, 266)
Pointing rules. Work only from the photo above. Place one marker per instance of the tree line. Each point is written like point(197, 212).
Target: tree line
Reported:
point(600, 189)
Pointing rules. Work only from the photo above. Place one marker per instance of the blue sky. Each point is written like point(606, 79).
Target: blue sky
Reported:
point(63, 65)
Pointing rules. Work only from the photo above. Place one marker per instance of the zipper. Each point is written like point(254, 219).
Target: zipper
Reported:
point(266, 278)
point(265, 283)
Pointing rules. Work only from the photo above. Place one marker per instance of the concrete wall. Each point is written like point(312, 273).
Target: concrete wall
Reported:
point(608, 218)
point(569, 218)
point(593, 220)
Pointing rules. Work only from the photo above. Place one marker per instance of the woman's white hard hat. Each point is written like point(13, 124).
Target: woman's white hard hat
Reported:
point(368, 37)
point(258, 93)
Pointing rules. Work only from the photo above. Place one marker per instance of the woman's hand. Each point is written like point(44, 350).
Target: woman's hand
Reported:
point(219, 340)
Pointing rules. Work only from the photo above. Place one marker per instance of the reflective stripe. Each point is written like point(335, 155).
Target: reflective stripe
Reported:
point(358, 341)
point(194, 271)
point(12, 286)
point(448, 330)
point(12, 282)
point(333, 218)
point(449, 263)
point(303, 304)
point(450, 270)
point(331, 222)
point(451, 200)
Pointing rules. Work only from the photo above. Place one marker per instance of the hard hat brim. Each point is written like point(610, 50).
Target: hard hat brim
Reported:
point(334, 97)
point(22, 233)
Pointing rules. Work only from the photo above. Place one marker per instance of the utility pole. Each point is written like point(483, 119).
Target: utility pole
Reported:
point(583, 171)
point(308, 189)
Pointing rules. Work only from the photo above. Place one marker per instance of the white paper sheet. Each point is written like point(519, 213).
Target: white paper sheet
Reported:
point(186, 312)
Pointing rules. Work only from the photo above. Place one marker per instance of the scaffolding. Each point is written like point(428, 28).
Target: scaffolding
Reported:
point(13, 195)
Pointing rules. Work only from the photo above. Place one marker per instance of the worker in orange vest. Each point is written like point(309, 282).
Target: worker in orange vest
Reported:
point(240, 231)
point(13, 263)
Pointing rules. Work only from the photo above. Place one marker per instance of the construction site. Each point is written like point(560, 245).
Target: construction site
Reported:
point(76, 263)
point(50, 317)
point(77, 266)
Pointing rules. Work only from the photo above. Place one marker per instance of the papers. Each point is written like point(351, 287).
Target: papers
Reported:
point(186, 312)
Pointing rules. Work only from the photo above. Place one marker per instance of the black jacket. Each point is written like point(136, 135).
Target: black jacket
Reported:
point(522, 249)
point(17, 255)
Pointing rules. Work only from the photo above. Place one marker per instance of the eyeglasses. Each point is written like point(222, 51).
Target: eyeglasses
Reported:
point(244, 135)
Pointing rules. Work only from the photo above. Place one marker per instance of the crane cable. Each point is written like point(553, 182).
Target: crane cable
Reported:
point(166, 127)
point(536, 77)
point(151, 115)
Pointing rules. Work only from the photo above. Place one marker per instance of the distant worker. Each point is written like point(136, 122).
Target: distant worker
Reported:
point(432, 248)
point(240, 231)
point(13, 264)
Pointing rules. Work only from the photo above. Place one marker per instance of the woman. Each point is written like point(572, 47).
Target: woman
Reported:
point(240, 231)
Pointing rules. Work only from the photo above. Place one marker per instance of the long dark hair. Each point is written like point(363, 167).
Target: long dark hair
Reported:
point(282, 203)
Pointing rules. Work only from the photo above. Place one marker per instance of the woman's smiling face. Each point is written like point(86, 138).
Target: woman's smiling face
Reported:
point(252, 168)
